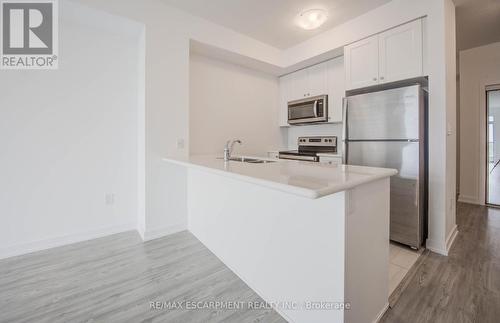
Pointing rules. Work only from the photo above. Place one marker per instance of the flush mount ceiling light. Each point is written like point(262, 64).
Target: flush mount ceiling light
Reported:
point(312, 18)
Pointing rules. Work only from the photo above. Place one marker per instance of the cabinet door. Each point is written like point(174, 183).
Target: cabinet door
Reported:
point(400, 52)
point(273, 154)
point(331, 160)
point(336, 89)
point(361, 63)
point(317, 76)
point(299, 85)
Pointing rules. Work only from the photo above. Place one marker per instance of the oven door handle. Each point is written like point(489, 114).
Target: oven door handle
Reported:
point(296, 157)
point(315, 108)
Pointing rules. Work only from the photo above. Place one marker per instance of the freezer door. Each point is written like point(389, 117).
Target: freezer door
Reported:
point(391, 114)
point(406, 187)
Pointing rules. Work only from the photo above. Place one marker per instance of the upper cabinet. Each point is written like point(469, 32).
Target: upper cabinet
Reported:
point(317, 76)
point(394, 55)
point(361, 63)
point(336, 89)
point(307, 82)
point(401, 52)
point(324, 78)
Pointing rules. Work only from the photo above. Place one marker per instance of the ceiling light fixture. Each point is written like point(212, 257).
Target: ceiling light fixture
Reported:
point(312, 18)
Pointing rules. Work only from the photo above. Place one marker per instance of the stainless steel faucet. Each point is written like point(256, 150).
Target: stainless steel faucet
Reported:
point(228, 148)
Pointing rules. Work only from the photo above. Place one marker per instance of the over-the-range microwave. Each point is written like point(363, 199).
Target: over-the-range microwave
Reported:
point(308, 110)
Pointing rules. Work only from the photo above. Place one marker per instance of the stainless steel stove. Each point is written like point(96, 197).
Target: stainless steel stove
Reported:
point(310, 147)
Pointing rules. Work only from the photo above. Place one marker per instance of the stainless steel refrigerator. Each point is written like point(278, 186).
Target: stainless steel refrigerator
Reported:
point(388, 129)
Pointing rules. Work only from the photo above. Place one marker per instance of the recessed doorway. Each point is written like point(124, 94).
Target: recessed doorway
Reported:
point(493, 145)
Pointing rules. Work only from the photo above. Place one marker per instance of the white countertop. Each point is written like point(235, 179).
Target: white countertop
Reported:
point(312, 180)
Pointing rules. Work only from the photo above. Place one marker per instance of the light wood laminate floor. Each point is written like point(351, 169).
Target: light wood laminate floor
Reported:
point(114, 279)
point(463, 287)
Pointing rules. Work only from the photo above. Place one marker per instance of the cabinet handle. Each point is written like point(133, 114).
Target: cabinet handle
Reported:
point(374, 78)
point(381, 77)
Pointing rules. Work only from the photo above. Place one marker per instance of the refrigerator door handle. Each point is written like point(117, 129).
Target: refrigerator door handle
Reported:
point(344, 130)
point(416, 193)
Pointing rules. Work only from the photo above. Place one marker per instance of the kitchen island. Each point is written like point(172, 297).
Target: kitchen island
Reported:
point(311, 239)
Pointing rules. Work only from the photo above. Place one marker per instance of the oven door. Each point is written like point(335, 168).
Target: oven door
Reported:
point(308, 110)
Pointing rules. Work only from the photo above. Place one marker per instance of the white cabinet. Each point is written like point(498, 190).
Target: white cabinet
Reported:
point(317, 77)
point(311, 81)
point(324, 78)
point(361, 63)
point(394, 55)
point(273, 154)
point(330, 160)
point(298, 85)
point(336, 89)
point(400, 52)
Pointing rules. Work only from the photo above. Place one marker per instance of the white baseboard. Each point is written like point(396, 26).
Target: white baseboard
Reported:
point(442, 248)
point(468, 199)
point(149, 235)
point(141, 232)
point(33, 246)
point(436, 247)
point(451, 238)
point(381, 314)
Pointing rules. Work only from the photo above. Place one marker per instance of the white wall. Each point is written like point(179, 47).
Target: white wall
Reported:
point(228, 101)
point(70, 136)
point(479, 67)
point(168, 32)
point(451, 122)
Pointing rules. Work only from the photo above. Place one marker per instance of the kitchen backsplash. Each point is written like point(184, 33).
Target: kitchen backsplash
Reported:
point(294, 132)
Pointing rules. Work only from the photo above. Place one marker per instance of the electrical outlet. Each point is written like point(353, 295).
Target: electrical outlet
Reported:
point(180, 143)
point(110, 198)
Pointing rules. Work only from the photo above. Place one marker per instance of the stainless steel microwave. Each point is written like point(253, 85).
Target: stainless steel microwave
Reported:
point(309, 110)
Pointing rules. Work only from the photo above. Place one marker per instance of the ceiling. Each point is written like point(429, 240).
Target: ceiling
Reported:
point(478, 23)
point(272, 21)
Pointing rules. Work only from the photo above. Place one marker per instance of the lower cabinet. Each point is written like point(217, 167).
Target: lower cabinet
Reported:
point(273, 154)
point(330, 160)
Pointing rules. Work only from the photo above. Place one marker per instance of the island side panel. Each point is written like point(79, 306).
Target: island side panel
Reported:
point(287, 248)
point(367, 251)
